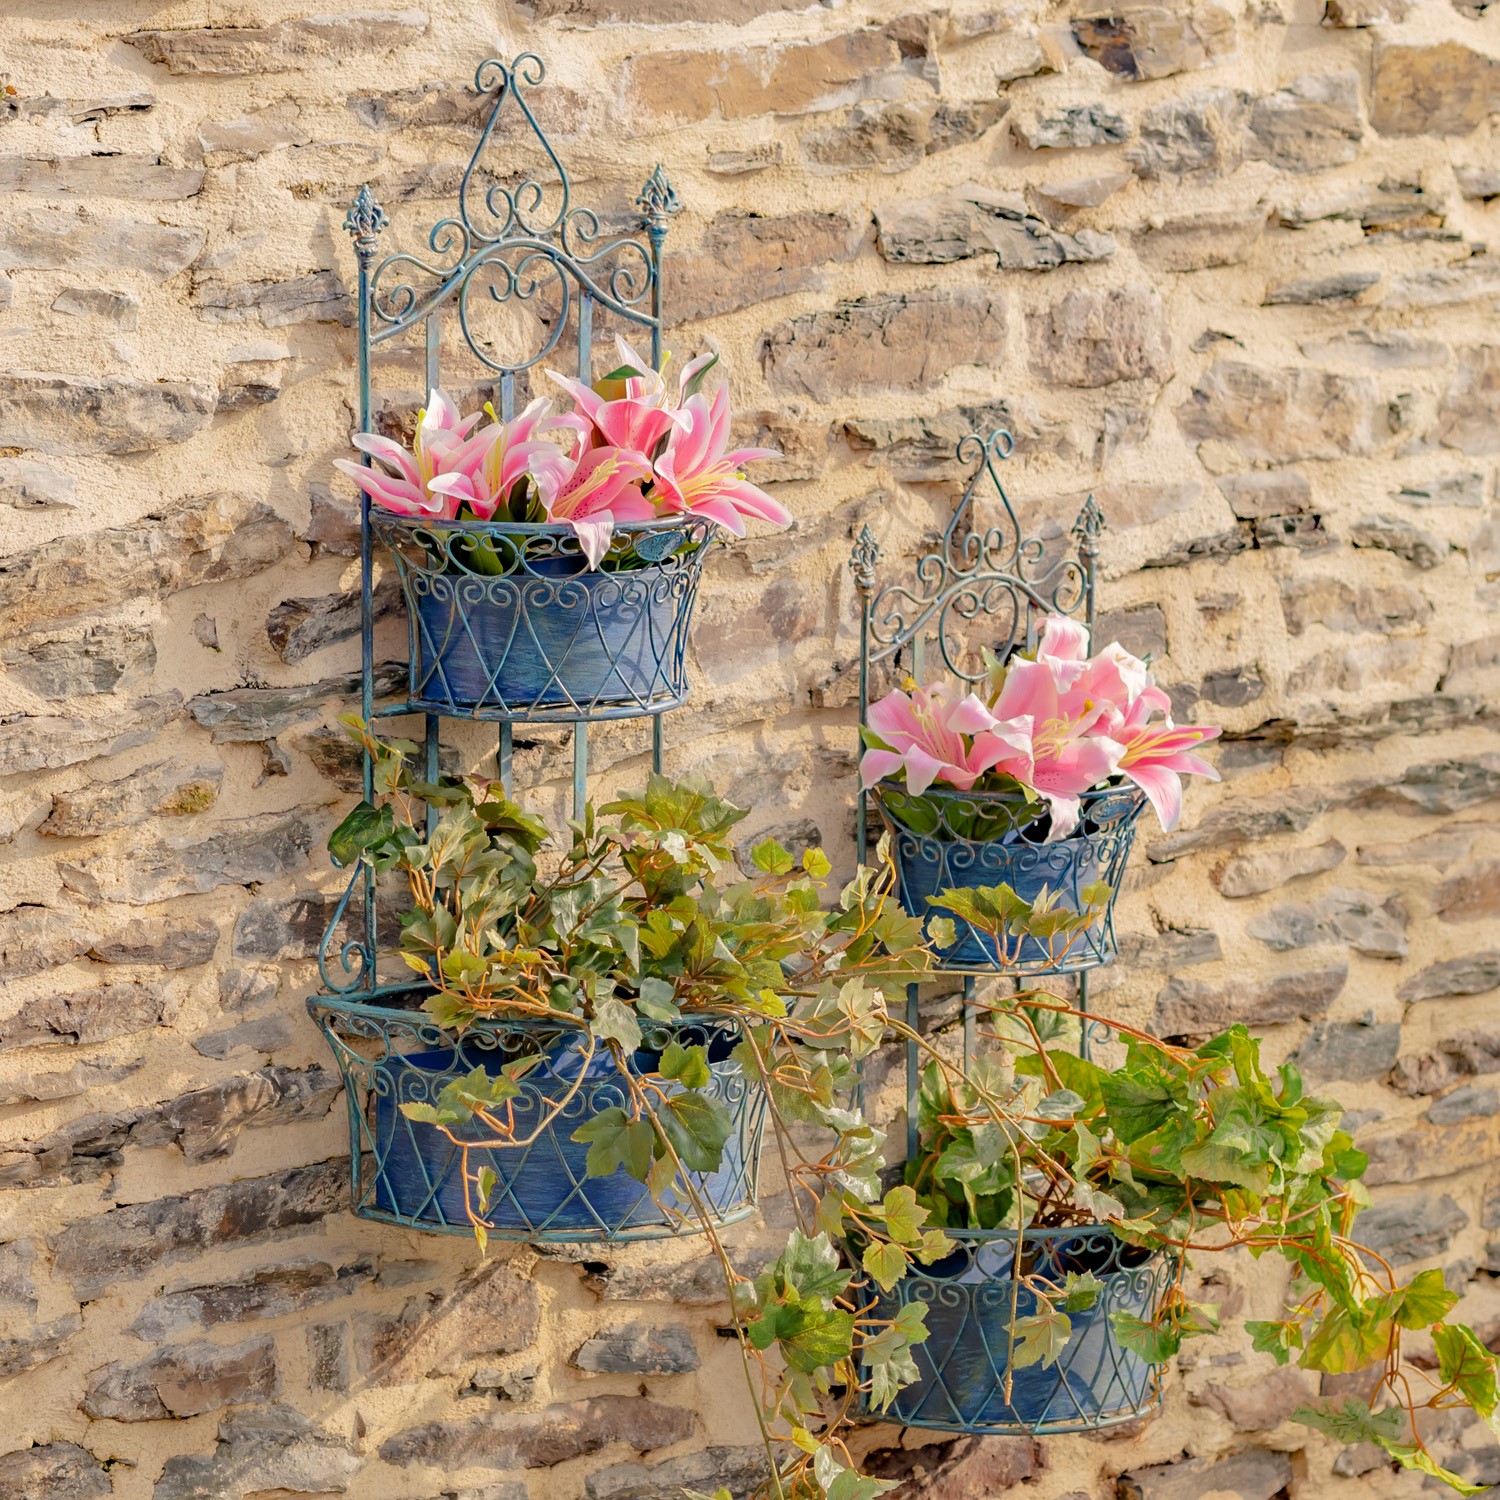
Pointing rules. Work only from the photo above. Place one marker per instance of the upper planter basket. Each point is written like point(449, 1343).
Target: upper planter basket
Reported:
point(507, 618)
point(956, 845)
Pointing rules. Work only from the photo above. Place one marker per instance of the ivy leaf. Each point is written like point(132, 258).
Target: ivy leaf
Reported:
point(486, 1187)
point(1354, 1422)
point(904, 1217)
point(1155, 1343)
point(811, 1267)
point(815, 863)
point(365, 827)
point(1424, 1300)
point(1040, 1338)
point(885, 1262)
point(770, 856)
point(1464, 1362)
point(1275, 1339)
point(697, 1127)
point(688, 1065)
point(1347, 1341)
point(614, 1021)
point(658, 1000)
point(942, 931)
point(1137, 1103)
point(615, 1141)
point(1081, 1291)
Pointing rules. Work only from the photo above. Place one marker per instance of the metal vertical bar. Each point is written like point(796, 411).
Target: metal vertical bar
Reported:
point(507, 396)
point(430, 762)
point(656, 743)
point(363, 223)
point(586, 339)
point(1083, 1022)
point(580, 767)
point(862, 564)
point(970, 1022)
point(913, 1071)
point(503, 754)
point(431, 330)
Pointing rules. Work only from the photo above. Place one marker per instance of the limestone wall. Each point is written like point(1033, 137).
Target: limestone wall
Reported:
point(1226, 266)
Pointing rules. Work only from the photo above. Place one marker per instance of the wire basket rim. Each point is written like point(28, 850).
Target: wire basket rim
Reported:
point(682, 520)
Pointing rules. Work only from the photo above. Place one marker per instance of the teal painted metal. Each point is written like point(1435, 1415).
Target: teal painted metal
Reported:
point(513, 243)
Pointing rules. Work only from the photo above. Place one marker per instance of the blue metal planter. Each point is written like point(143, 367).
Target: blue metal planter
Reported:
point(947, 840)
point(971, 1300)
point(409, 1172)
point(506, 620)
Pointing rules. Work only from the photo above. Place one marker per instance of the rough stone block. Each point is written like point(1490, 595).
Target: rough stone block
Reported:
point(1352, 1050)
point(538, 1440)
point(129, 1242)
point(184, 1380)
point(293, 45)
point(888, 342)
point(1252, 874)
point(639, 1349)
point(975, 221)
point(270, 1449)
point(1255, 1474)
point(60, 1471)
point(1146, 41)
point(1413, 1226)
point(1194, 1007)
point(1092, 339)
point(1442, 89)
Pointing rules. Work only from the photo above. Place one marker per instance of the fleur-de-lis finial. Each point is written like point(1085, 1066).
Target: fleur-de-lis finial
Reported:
point(1088, 528)
point(658, 200)
point(863, 559)
point(364, 221)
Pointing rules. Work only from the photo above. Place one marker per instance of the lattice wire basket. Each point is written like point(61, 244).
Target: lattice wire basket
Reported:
point(506, 620)
point(972, 1301)
point(946, 839)
point(409, 1172)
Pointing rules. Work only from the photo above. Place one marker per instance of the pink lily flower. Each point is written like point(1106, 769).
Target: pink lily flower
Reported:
point(441, 435)
point(644, 415)
point(1158, 756)
point(695, 472)
point(600, 488)
point(925, 735)
point(486, 468)
point(1072, 751)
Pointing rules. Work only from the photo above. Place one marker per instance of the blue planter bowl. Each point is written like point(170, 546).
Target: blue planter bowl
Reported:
point(542, 1190)
point(937, 859)
point(969, 1299)
point(508, 620)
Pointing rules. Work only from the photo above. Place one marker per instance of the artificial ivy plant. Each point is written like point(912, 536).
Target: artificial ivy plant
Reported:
point(644, 920)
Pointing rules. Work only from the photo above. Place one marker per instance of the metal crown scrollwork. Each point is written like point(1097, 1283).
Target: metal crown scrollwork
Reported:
point(521, 239)
point(995, 574)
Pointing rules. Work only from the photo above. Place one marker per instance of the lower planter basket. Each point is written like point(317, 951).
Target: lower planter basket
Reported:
point(972, 1299)
point(409, 1172)
point(946, 840)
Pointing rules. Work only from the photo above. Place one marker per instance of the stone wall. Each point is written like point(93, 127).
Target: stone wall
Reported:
point(1225, 265)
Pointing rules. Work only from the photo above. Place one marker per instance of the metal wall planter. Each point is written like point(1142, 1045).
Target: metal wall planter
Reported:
point(507, 621)
point(972, 1301)
point(948, 839)
point(410, 1173)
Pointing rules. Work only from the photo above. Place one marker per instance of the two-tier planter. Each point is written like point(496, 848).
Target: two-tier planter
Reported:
point(508, 623)
point(942, 840)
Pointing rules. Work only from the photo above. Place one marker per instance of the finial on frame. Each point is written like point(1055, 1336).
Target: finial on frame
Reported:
point(1088, 528)
point(863, 559)
point(364, 221)
point(658, 200)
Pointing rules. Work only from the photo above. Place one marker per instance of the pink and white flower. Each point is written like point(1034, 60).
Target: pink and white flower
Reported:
point(928, 737)
point(602, 486)
point(698, 473)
